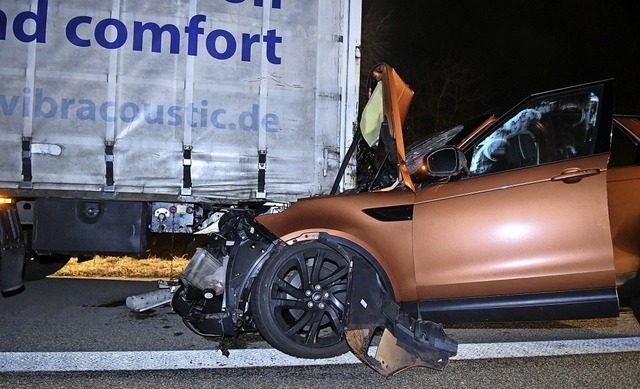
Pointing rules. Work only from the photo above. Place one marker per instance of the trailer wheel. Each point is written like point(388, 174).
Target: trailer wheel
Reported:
point(298, 300)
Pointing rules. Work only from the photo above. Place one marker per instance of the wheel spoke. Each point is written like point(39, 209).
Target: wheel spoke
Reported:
point(288, 288)
point(299, 325)
point(302, 269)
point(287, 304)
point(336, 276)
point(337, 288)
point(312, 336)
point(336, 303)
point(336, 322)
point(317, 266)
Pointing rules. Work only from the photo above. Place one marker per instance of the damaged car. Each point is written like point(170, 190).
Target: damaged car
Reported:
point(531, 215)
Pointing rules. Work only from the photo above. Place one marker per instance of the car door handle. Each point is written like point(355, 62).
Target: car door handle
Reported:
point(574, 175)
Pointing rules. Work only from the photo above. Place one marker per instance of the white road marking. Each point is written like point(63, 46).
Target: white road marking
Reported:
point(546, 348)
point(211, 359)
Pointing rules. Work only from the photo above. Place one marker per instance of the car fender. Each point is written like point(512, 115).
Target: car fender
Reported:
point(244, 268)
point(360, 219)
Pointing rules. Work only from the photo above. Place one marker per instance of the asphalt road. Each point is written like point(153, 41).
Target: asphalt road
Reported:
point(593, 371)
point(57, 314)
point(69, 315)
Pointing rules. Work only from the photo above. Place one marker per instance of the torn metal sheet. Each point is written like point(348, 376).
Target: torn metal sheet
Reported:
point(405, 342)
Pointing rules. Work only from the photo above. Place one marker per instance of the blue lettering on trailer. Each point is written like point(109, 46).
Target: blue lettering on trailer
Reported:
point(195, 115)
point(18, 26)
point(260, 3)
point(112, 33)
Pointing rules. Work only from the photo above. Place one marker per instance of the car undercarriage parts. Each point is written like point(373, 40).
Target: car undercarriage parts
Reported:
point(155, 298)
point(405, 342)
point(203, 316)
point(206, 272)
point(214, 296)
point(200, 300)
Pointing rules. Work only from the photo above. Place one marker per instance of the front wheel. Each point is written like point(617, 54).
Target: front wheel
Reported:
point(298, 300)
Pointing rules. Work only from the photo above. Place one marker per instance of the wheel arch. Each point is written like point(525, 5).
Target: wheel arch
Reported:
point(332, 241)
point(337, 243)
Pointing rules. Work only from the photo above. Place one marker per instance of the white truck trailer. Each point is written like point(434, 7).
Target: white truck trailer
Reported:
point(123, 118)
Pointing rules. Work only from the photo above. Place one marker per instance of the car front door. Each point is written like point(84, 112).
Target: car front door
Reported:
point(525, 235)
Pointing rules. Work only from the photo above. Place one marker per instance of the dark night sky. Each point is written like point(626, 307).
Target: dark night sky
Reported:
point(517, 47)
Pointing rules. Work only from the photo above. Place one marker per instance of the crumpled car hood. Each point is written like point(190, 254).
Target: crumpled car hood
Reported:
point(390, 98)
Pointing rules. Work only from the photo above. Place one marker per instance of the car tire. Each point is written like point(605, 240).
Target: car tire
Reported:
point(298, 300)
point(629, 295)
point(635, 308)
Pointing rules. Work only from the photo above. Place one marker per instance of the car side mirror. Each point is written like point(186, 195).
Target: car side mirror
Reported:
point(445, 162)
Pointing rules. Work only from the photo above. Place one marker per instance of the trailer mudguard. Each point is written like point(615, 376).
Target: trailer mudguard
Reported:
point(12, 250)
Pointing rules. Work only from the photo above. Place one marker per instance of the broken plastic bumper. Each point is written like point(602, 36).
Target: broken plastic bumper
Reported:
point(202, 316)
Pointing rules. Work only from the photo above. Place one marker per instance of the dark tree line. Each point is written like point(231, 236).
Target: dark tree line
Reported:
point(466, 57)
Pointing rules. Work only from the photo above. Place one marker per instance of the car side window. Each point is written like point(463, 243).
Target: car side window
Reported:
point(541, 130)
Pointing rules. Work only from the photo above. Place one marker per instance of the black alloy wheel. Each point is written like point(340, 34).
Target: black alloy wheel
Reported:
point(298, 300)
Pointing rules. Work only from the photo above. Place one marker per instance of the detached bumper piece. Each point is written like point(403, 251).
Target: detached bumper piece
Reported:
point(405, 342)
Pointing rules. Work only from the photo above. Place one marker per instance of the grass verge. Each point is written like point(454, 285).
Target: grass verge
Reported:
point(124, 267)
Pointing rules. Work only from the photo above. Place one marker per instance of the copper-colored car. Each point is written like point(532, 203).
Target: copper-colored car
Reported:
point(533, 215)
